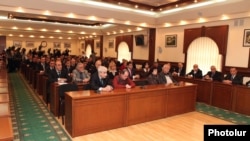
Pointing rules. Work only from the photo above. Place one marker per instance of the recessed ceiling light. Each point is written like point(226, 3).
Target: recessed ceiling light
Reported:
point(44, 29)
point(14, 27)
point(29, 28)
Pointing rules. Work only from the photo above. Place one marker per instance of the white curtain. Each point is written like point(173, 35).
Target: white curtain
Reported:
point(88, 50)
point(123, 52)
point(204, 52)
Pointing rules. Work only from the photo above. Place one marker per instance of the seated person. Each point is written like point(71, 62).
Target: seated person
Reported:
point(112, 71)
point(80, 74)
point(233, 77)
point(145, 70)
point(100, 81)
point(157, 66)
point(165, 77)
point(58, 74)
point(153, 77)
point(195, 72)
point(213, 74)
point(122, 80)
point(180, 70)
point(131, 71)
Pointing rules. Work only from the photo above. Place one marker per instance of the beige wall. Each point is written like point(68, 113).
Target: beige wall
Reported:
point(75, 44)
point(237, 55)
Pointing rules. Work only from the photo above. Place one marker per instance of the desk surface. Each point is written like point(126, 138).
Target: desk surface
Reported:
point(4, 98)
point(91, 93)
point(4, 109)
point(4, 84)
point(6, 131)
point(4, 90)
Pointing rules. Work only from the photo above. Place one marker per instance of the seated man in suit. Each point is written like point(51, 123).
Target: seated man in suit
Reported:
point(165, 77)
point(180, 70)
point(233, 77)
point(213, 74)
point(195, 72)
point(41, 67)
point(122, 80)
point(80, 74)
point(100, 81)
point(58, 74)
point(153, 77)
point(131, 71)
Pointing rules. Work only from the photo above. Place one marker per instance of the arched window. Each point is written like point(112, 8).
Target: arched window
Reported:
point(204, 52)
point(123, 52)
point(88, 50)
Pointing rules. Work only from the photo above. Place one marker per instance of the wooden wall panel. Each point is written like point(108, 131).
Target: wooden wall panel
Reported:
point(128, 39)
point(2, 42)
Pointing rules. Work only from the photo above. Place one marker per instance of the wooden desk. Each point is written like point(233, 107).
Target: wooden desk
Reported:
point(222, 95)
point(44, 87)
point(88, 112)
point(4, 84)
point(4, 90)
point(4, 98)
point(4, 109)
point(6, 131)
point(241, 99)
point(3, 80)
point(39, 84)
point(54, 96)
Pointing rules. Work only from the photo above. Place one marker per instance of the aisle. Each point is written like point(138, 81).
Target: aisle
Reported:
point(31, 119)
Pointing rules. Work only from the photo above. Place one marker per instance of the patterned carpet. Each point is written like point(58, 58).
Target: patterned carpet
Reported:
point(223, 114)
point(30, 117)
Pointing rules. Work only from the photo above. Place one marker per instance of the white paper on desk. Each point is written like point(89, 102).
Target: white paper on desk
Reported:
point(62, 83)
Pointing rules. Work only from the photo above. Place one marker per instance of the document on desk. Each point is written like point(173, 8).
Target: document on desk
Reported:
point(62, 83)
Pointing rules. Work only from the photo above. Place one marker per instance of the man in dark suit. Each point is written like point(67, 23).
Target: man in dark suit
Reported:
point(165, 77)
point(58, 74)
point(180, 70)
point(41, 67)
point(131, 71)
point(195, 72)
point(213, 74)
point(100, 81)
point(233, 77)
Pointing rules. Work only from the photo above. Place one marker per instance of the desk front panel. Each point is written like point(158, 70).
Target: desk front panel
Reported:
point(180, 100)
point(89, 112)
point(222, 95)
point(242, 100)
point(146, 106)
point(98, 114)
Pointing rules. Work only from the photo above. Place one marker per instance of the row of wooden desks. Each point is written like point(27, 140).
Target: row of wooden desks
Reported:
point(227, 96)
point(6, 130)
point(54, 96)
point(88, 112)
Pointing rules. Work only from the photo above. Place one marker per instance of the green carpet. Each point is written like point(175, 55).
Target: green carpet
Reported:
point(30, 117)
point(223, 114)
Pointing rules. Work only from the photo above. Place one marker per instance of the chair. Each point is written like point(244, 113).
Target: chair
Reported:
point(61, 91)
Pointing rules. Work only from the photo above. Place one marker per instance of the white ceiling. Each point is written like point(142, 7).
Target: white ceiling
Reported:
point(118, 20)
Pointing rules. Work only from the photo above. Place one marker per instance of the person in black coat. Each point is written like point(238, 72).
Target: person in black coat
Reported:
point(100, 81)
point(180, 70)
point(58, 74)
point(233, 77)
point(165, 77)
point(195, 72)
point(213, 74)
